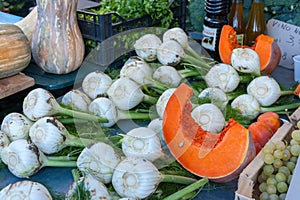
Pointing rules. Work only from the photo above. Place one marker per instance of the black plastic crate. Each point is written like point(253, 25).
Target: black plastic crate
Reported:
point(95, 28)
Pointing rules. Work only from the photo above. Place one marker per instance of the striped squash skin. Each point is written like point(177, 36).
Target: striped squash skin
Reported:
point(15, 51)
point(57, 44)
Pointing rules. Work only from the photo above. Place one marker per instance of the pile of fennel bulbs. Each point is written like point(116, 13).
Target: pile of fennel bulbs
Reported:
point(93, 114)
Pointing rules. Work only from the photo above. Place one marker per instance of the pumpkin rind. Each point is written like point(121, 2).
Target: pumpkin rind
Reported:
point(225, 154)
point(15, 51)
point(57, 43)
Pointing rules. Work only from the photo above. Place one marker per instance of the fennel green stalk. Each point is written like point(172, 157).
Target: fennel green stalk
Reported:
point(194, 186)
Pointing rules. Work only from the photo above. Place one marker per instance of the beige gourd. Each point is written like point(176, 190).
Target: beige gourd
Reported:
point(57, 44)
point(15, 51)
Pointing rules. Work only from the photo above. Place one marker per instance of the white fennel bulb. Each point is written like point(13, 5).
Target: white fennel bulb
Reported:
point(177, 34)
point(16, 126)
point(170, 52)
point(247, 105)
point(265, 89)
point(142, 142)
point(138, 71)
point(133, 59)
point(138, 178)
point(4, 141)
point(210, 117)
point(156, 125)
point(146, 46)
point(127, 94)
point(50, 136)
point(25, 189)
point(105, 108)
point(222, 76)
point(96, 84)
point(135, 178)
point(245, 60)
point(217, 97)
point(167, 75)
point(99, 160)
point(24, 159)
point(163, 100)
point(41, 103)
point(95, 189)
point(76, 99)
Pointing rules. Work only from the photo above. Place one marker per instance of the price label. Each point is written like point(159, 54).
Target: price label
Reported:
point(287, 37)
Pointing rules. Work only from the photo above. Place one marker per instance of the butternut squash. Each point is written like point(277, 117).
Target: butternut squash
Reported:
point(28, 23)
point(219, 157)
point(57, 43)
point(15, 51)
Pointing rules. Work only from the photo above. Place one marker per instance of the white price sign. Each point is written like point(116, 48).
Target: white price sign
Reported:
point(287, 37)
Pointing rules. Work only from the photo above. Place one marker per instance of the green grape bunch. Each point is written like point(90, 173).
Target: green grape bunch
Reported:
point(280, 160)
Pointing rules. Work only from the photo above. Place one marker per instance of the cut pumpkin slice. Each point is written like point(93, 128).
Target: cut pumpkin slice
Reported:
point(219, 157)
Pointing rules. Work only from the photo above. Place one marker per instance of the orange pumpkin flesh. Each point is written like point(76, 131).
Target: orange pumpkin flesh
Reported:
point(227, 43)
point(265, 46)
point(269, 53)
point(220, 157)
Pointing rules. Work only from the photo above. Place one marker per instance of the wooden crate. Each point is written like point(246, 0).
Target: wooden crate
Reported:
point(14, 84)
point(247, 187)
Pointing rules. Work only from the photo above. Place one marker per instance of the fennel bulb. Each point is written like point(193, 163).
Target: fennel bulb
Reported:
point(142, 142)
point(93, 189)
point(247, 105)
point(266, 90)
point(4, 141)
point(99, 160)
point(16, 126)
point(167, 75)
point(96, 84)
point(50, 136)
point(138, 178)
point(41, 103)
point(156, 125)
point(146, 46)
point(25, 189)
point(138, 71)
point(163, 100)
point(222, 76)
point(76, 99)
point(217, 97)
point(177, 34)
point(181, 37)
point(24, 159)
point(126, 94)
point(209, 117)
point(245, 60)
point(170, 52)
point(105, 108)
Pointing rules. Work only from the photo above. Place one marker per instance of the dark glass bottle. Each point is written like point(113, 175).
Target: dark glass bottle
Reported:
point(216, 17)
point(256, 24)
point(236, 20)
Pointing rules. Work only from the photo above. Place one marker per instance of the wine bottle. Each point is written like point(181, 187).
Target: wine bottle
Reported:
point(256, 24)
point(236, 20)
point(216, 17)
